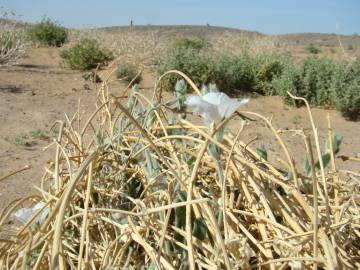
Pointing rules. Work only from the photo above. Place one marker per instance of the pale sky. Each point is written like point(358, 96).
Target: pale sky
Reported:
point(269, 17)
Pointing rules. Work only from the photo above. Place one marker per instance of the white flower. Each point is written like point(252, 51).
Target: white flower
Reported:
point(24, 214)
point(214, 106)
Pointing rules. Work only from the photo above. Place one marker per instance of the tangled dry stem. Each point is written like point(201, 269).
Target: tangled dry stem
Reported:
point(128, 193)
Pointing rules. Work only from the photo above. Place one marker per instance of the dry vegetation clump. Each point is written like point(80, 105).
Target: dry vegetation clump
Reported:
point(253, 45)
point(13, 42)
point(137, 186)
point(139, 48)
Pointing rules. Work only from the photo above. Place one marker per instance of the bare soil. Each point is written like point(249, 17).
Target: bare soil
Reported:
point(37, 92)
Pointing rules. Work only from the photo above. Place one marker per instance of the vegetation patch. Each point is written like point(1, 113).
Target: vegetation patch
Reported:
point(48, 33)
point(86, 54)
point(312, 49)
point(322, 81)
point(13, 41)
point(128, 72)
point(144, 188)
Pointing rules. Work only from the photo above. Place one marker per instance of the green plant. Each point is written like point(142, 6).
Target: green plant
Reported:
point(311, 48)
point(48, 33)
point(336, 141)
point(92, 77)
point(55, 130)
point(196, 64)
point(262, 152)
point(21, 140)
point(269, 67)
point(86, 54)
point(197, 43)
point(311, 80)
point(127, 72)
point(345, 89)
point(244, 71)
point(39, 134)
point(296, 120)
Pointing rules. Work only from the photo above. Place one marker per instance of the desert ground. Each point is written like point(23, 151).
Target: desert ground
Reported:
point(37, 92)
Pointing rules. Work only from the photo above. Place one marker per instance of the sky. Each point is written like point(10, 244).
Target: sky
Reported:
point(265, 16)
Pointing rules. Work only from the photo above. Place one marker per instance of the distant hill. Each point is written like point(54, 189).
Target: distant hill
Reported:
point(181, 30)
point(297, 39)
point(320, 39)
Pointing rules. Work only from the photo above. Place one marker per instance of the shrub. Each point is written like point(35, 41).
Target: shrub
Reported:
point(12, 45)
point(92, 77)
point(234, 73)
point(345, 89)
point(312, 49)
point(47, 33)
point(196, 64)
point(323, 82)
point(191, 43)
point(13, 42)
point(311, 80)
point(268, 68)
point(242, 72)
point(86, 54)
point(127, 72)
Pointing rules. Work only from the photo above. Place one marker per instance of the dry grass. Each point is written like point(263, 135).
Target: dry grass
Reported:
point(13, 42)
point(133, 189)
point(254, 45)
point(136, 47)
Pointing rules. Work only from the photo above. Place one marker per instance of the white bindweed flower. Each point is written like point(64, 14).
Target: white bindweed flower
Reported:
point(24, 214)
point(214, 106)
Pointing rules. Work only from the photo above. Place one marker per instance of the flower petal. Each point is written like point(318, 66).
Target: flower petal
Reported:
point(226, 105)
point(209, 112)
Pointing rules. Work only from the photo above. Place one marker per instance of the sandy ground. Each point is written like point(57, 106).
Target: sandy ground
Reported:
point(37, 92)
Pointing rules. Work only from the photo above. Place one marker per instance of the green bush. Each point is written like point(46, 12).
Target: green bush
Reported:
point(312, 49)
point(323, 82)
point(196, 64)
point(48, 33)
point(345, 89)
point(191, 43)
point(127, 72)
point(232, 73)
point(268, 68)
point(242, 72)
point(86, 54)
point(311, 80)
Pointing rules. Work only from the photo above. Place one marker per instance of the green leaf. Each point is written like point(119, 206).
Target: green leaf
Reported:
point(199, 229)
point(262, 152)
point(336, 142)
point(307, 166)
point(151, 267)
point(99, 139)
point(325, 159)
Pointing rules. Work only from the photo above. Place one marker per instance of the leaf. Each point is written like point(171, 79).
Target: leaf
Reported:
point(325, 159)
point(99, 137)
point(199, 229)
point(180, 93)
point(151, 266)
point(262, 152)
point(180, 212)
point(336, 142)
point(180, 87)
point(307, 166)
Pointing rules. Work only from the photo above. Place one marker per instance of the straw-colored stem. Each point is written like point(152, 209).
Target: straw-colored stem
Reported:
point(85, 217)
point(315, 200)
